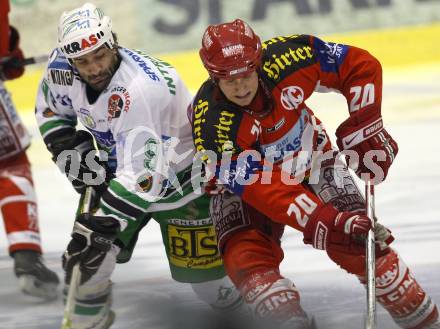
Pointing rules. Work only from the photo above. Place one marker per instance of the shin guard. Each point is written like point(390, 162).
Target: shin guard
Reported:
point(401, 295)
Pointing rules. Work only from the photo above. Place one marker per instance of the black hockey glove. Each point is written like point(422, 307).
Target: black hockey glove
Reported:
point(92, 238)
point(75, 155)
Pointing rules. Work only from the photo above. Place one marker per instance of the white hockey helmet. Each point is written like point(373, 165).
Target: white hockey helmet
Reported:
point(83, 30)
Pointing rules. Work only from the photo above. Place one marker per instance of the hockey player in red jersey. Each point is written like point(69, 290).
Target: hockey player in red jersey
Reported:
point(274, 155)
point(17, 197)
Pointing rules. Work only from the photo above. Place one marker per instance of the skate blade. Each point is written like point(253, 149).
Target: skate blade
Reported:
point(31, 286)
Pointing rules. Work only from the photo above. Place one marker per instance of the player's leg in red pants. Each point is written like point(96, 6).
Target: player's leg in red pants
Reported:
point(252, 255)
point(18, 205)
point(396, 289)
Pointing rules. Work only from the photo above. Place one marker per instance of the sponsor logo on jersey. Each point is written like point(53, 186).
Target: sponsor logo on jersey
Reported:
point(223, 127)
point(199, 117)
point(286, 59)
point(289, 143)
point(85, 43)
point(292, 97)
point(193, 247)
point(142, 64)
point(61, 77)
point(190, 222)
point(86, 118)
point(118, 101)
point(334, 50)
point(228, 217)
point(331, 55)
point(279, 39)
point(163, 67)
point(277, 126)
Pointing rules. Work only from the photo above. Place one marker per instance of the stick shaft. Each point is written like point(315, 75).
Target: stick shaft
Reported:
point(75, 279)
point(370, 259)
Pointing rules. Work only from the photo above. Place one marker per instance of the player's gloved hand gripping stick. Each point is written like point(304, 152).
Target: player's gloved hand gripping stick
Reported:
point(76, 273)
point(92, 238)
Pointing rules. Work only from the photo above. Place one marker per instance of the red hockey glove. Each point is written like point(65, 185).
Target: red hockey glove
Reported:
point(12, 67)
point(330, 229)
point(363, 132)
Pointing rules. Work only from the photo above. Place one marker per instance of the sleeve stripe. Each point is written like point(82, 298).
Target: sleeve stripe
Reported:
point(51, 126)
point(120, 205)
point(115, 195)
point(122, 193)
point(110, 211)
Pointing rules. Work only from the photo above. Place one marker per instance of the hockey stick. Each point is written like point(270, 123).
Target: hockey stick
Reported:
point(76, 273)
point(28, 61)
point(370, 259)
point(35, 60)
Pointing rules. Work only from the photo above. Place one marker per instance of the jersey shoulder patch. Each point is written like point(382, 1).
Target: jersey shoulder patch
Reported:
point(59, 70)
point(283, 56)
point(330, 55)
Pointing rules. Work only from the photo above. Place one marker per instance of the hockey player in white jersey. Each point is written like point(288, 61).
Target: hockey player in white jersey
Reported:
point(134, 105)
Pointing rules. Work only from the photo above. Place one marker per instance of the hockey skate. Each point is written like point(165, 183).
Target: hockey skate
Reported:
point(34, 278)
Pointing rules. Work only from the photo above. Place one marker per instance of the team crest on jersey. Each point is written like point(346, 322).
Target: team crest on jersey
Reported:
point(118, 101)
point(87, 118)
point(144, 183)
point(292, 97)
point(115, 105)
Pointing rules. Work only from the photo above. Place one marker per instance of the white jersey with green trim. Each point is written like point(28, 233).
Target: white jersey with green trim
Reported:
point(140, 120)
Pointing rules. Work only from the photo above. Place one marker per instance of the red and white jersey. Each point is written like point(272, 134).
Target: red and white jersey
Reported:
point(14, 137)
point(290, 136)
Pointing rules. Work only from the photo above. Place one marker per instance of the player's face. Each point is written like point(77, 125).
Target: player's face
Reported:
point(240, 91)
point(97, 67)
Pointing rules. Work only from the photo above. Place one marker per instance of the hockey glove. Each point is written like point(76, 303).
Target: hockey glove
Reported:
point(329, 229)
point(92, 238)
point(75, 156)
point(12, 67)
point(363, 132)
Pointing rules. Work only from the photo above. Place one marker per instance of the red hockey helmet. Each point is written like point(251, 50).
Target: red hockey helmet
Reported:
point(230, 50)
